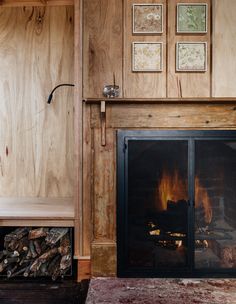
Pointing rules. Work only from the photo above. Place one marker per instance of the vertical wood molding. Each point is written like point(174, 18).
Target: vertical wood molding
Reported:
point(104, 187)
point(78, 126)
point(87, 182)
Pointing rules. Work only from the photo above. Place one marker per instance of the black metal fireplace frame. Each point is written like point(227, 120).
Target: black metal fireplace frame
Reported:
point(123, 138)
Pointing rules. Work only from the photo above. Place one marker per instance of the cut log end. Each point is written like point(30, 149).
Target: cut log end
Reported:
point(36, 252)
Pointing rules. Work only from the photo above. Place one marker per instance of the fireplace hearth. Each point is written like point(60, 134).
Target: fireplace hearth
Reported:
point(176, 203)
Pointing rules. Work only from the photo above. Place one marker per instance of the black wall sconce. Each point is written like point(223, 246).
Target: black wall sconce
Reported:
point(50, 97)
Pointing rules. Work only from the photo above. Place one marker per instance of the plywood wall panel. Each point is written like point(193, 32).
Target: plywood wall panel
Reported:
point(142, 84)
point(36, 139)
point(224, 48)
point(187, 84)
point(102, 45)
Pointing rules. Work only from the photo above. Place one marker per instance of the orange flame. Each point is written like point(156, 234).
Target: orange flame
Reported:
point(174, 188)
point(202, 198)
point(171, 188)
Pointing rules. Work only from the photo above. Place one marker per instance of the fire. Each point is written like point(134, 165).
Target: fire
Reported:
point(201, 197)
point(171, 188)
point(174, 188)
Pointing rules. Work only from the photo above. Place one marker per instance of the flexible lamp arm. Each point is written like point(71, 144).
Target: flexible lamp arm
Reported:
point(58, 86)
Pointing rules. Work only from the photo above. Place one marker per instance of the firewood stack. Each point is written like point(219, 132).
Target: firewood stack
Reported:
point(36, 253)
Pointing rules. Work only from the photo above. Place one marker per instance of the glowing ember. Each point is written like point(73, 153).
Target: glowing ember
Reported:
point(201, 244)
point(155, 232)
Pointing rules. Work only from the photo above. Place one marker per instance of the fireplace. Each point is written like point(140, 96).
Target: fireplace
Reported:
point(176, 203)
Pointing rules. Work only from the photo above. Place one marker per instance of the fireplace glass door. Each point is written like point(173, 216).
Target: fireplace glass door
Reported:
point(215, 204)
point(176, 203)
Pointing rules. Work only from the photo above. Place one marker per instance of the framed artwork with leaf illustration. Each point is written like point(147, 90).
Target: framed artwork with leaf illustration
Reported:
point(147, 18)
point(147, 56)
point(191, 57)
point(192, 18)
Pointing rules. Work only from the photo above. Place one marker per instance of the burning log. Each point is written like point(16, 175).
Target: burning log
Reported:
point(36, 252)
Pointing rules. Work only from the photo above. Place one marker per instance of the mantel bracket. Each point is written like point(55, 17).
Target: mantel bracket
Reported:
point(103, 122)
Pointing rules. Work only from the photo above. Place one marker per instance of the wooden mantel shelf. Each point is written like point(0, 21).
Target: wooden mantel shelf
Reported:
point(36, 211)
point(228, 100)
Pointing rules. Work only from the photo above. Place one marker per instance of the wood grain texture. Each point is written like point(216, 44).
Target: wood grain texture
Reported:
point(168, 101)
point(224, 50)
point(102, 45)
point(78, 130)
point(18, 3)
point(36, 208)
point(84, 270)
point(24, 222)
point(36, 139)
point(104, 201)
point(187, 84)
point(87, 182)
point(168, 116)
point(142, 84)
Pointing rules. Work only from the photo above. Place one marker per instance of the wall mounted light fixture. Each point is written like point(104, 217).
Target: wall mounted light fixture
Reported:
point(58, 86)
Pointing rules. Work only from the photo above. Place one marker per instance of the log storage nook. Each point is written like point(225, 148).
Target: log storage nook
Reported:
point(128, 168)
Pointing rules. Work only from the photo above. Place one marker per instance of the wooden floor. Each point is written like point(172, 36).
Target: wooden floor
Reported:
point(43, 293)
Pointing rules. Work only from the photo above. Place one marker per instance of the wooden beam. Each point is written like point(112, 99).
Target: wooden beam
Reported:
point(161, 100)
point(20, 3)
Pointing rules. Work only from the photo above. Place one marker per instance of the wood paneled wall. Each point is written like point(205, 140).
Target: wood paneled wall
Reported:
point(142, 84)
point(224, 48)
point(182, 84)
point(102, 45)
point(107, 51)
point(36, 139)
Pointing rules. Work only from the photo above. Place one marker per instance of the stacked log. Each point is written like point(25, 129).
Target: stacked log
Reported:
point(36, 252)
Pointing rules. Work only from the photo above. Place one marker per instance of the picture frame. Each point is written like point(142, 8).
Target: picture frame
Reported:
point(147, 18)
point(147, 57)
point(192, 18)
point(191, 56)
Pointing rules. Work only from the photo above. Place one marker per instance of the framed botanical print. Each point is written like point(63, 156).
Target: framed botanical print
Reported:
point(147, 56)
point(191, 56)
point(147, 18)
point(192, 18)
